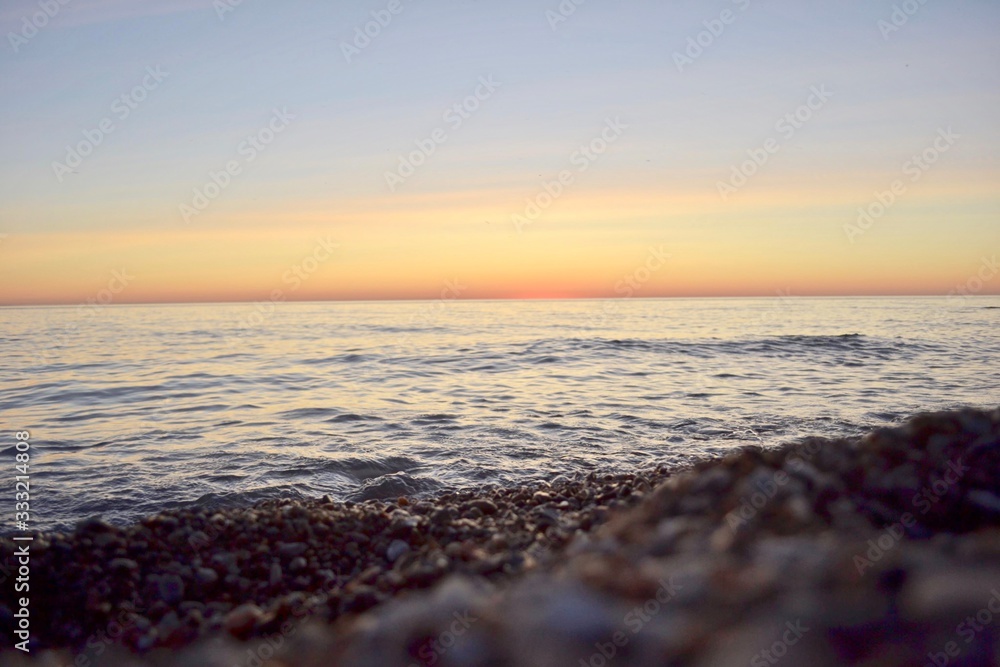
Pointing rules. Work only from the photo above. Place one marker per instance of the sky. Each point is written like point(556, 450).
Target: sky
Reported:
point(247, 150)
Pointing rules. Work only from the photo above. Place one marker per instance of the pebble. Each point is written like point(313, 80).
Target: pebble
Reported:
point(227, 560)
point(123, 564)
point(485, 506)
point(396, 549)
point(206, 576)
point(243, 619)
point(292, 550)
point(705, 575)
point(986, 500)
point(171, 588)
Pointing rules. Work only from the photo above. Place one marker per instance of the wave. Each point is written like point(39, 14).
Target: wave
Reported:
point(545, 350)
point(393, 486)
point(353, 407)
point(348, 358)
point(240, 498)
point(362, 469)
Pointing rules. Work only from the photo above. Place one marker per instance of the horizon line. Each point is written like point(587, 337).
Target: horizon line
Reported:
point(85, 304)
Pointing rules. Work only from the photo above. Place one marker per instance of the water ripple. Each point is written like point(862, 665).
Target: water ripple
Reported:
point(144, 408)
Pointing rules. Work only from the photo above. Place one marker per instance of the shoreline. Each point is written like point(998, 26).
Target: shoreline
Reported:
point(865, 535)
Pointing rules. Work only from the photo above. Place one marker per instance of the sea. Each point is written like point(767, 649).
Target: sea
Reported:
point(134, 409)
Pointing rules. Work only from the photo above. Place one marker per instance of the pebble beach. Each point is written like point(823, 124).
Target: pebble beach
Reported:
point(878, 550)
point(472, 334)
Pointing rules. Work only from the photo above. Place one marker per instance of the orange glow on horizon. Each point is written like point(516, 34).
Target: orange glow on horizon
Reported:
point(589, 244)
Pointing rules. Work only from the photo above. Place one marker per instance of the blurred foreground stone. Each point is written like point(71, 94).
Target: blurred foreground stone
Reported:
point(883, 550)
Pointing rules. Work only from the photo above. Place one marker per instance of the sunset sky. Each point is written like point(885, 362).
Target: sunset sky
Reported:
point(117, 114)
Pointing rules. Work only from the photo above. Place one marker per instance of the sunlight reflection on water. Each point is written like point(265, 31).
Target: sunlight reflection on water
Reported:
point(137, 408)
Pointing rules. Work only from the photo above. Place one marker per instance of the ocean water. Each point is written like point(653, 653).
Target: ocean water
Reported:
point(134, 409)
